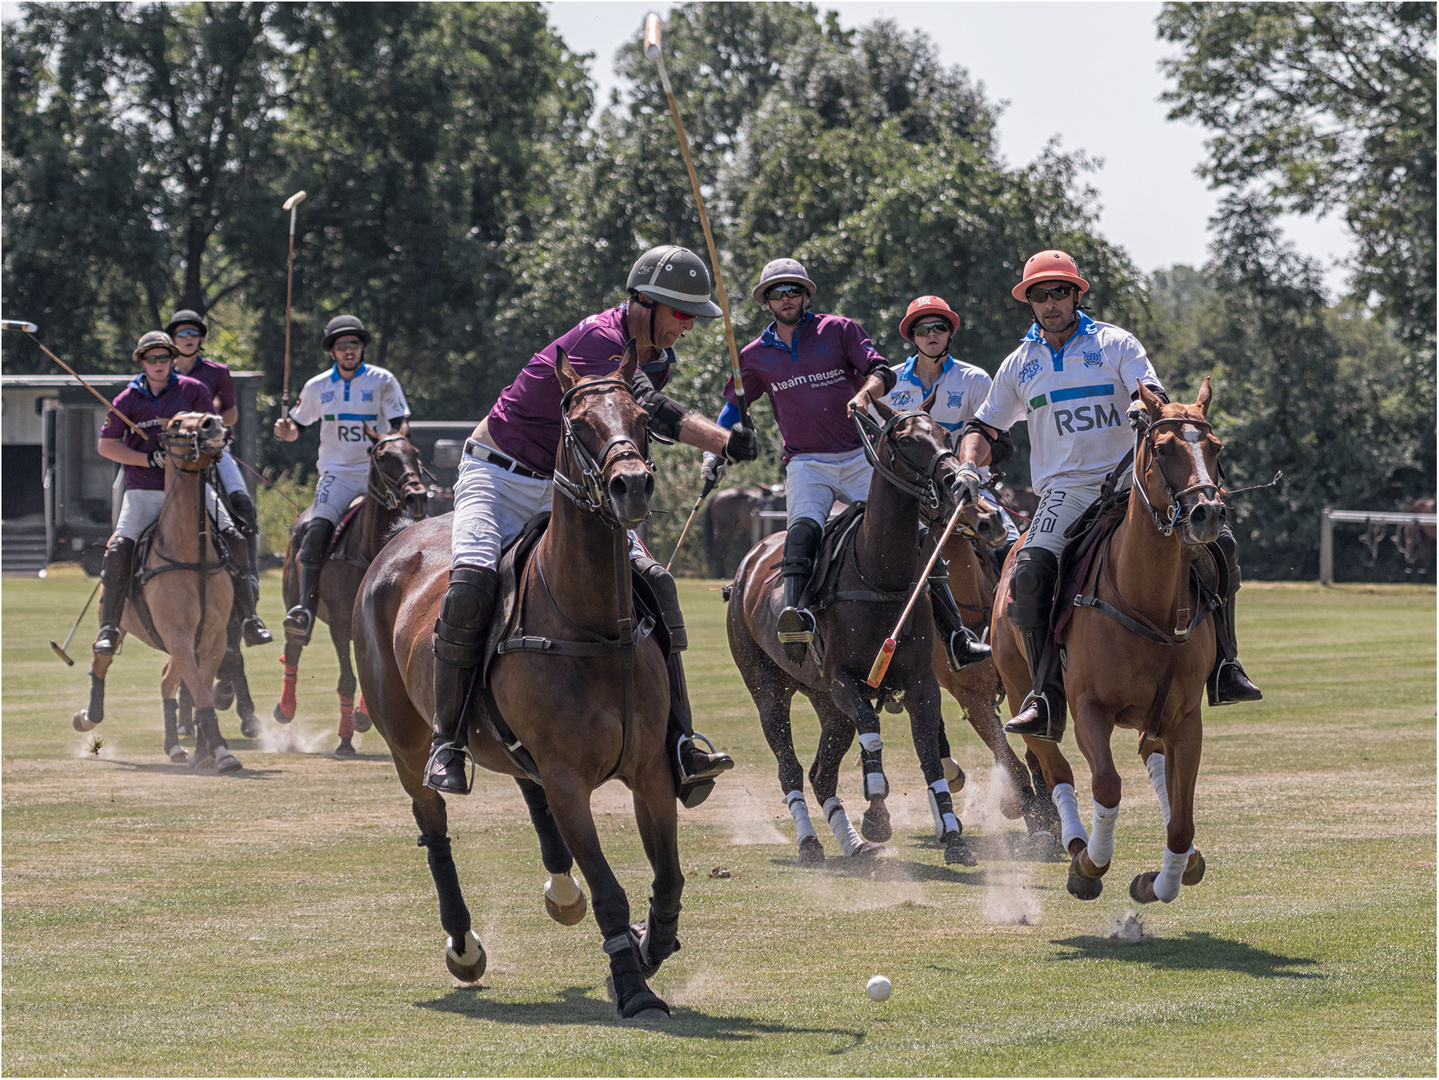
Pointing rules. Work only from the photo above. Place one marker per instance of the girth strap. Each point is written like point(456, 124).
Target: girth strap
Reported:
point(1136, 623)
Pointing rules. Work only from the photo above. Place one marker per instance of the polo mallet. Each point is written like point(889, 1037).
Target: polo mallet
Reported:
point(290, 204)
point(60, 649)
point(704, 491)
point(886, 651)
point(30, 329)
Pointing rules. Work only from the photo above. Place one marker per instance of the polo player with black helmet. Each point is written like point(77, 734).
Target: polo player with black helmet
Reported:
point(1066, 379)
point(149, 401)
point(187, 329)
point(345, 400)
point(505, 479)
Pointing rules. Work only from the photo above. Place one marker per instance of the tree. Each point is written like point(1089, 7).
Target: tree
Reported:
point(1324, 106)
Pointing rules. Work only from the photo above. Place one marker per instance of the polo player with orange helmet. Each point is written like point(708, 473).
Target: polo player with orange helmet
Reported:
point(1067, 379)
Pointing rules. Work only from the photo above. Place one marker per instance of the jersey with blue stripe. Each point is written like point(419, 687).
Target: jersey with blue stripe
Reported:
point(1074, 399)
point(344, 406)
point(959, 391)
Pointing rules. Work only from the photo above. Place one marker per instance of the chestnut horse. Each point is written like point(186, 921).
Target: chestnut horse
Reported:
point(1125, 666)
point(396, 495)
point(586, 711)
point(913, 466)
point(189, 606)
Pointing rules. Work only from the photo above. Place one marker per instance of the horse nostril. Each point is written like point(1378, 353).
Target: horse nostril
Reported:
point(649, 486)
point(618, 488)
point(1199, 515)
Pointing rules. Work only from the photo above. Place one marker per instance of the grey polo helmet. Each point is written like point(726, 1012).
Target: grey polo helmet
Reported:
point(186, 316)
point(778, 272)
point(676, 277)
point(344, 326)
point(154, 339)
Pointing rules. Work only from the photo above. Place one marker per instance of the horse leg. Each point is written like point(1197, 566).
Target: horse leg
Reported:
point(564, 899)
point(658, 824)
point(224, 684)
point(1092, 732)
point(1151, 752)
point(211, 750)
point(836, 736)
point(231, 677)
point(362, 715)
point(340, 635)
point(94, 713)
point(185, 717)
point(1055, 772)
point(979, 710)
point(285, 707)
point(169, 684)
point(923, 702)
point(1182, 860)
point(1041, 815)
point(850, 700)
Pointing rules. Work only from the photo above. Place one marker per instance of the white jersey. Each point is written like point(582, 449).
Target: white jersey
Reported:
point(344, 406)
point(959, 391)
point(1074, 400)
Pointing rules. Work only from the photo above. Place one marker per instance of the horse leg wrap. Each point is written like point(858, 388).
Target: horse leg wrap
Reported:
point(172, 723)
point(454, 915)
point(347, 717)
point(871, 758)
point(632, 993)
point(941, 805)
point(287, 689)
point(799, 810)
point(1166, 885)
point(1101, 838)
point(839, 824)
point(554, 853)
point(1154, 763)
point(96, 712)
point(660, 937)
point(207, 727)
point(1067, 804)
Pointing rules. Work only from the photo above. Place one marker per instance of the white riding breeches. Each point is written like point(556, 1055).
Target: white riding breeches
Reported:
point(813, 482)
point(141, 508)
point(335, 490)
point(231, 478)
point(1058, 509)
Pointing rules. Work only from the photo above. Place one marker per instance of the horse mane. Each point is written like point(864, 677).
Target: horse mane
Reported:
point(401, 523)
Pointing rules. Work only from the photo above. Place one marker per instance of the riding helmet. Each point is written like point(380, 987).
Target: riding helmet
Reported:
point(921, 306)
point(154, 339)
point(184, 317)
point(345, 326)
point(1048, 266)
point(779, 271)
point(676, 277)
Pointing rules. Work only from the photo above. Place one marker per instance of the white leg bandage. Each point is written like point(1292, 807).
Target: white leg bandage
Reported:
point(1166, 885)
point(1067, 804)
point(1155, 764)
point(840, 826)
point(942, 809)
point(799, 810)
point(1101, 840)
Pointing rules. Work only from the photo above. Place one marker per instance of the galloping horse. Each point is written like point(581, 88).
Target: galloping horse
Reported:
point(183, 612)
point(580, 687)
point(1125, 666)
point(396, 494)
point(913, 466)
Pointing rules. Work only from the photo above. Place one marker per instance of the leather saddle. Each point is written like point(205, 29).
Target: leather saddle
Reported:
point(348, 521)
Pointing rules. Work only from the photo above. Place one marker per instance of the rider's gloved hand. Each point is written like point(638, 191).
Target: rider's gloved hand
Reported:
point(1137, 414)
point(157, 459)
point(742, 445)
point(966, 485)
point(712, 469)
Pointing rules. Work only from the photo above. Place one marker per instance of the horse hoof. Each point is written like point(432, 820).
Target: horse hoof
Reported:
point(867, 851)
point(646, 1005)
point(224, 693)
point(956, 851)
point(226, 762)
point(875, 825)
point(81, 720)
point(469, 965)
point(811, 851)
point(650, 1014)
point(362, 722)
point(1141, 889)
point(177, 754)
point(1194, 871)
point(954, 774)
point(280, 717)
point(250, 726)
point(893, 706)
point(570, 912)
point(1079, 884)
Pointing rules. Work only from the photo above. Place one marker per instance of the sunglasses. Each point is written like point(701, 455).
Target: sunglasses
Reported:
point(924, 329)
point(784, 292)
point(681, 316)
point(188, 333)
point(1039, 293)
point(349, 345)
point(155, 358)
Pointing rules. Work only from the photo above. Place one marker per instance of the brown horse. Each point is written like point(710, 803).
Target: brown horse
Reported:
point(1414, 541)
point(1125, 666)
point(395, 496)
point(733, 510)
point(189, 607)
point(583, 711)
point(913, 466)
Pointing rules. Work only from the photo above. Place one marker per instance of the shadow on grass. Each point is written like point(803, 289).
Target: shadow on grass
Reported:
point(171, 769)
point(1003, 847)
point(1195, 951)
point(886, 869)
point(577, 1005)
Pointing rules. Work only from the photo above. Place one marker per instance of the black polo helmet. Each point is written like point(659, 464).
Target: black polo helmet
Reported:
point(185, 317)
point(677, 277)
point(345, 326)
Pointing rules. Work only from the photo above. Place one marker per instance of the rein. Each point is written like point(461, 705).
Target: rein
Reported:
point(872, 435)
point(1144, 439)
point(389, 495)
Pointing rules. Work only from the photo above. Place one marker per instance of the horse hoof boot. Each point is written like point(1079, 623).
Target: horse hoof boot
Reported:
point(953, 774)
point(1194, 871)
point(957, 851)
point(811, 851)
point(362, 721)
point(226, 762)
point(469, 965)
point(176, 754)
point(250, 726)
point(280, 717)
point(1141, 889)
point(564, 899)
point(867, 850)
point(875, 825)
point(645, 1005)
point(1080, 885)
point(224, 694)
point(81, 721)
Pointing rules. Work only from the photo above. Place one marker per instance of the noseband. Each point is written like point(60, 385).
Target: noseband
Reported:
point(1144, 440)
point(589, 494)
point(196, 450)
point(391, 494)
point(871, 435)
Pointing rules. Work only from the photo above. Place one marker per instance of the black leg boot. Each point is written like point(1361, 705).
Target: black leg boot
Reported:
point(300, 619)
point(1042, 713)
point(961, 644)
point(459, 644)
point(115, 574)
point(252, 629)
point(795, 627)
point(1228, 683)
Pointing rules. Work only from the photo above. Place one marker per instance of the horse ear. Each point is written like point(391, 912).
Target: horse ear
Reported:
point(928, 403)
point(564, 371)
point(1151, 401)
point(372, 434)
point(629, 363)
point(883, 408)
point(1205, 397)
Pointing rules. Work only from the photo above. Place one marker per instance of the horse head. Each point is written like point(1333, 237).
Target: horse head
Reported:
point(1176, 467)
point(395, 474)
point(912, 452)
point(603, 464)
point(983, 518)
point(194, 437)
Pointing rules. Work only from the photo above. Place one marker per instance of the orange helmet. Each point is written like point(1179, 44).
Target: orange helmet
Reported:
point(921, 306)
point(1048, 266)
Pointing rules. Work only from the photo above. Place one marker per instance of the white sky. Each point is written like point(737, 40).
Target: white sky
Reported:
point(1086, 72)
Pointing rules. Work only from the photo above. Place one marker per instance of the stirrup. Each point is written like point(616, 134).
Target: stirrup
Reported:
point(695, 788)
point(795, 631)
point(443, 776)
point(1237, 692)
point(1042, 724)
point(299, 624)
point(974, 649)
point(107, 641)
point(254, 632)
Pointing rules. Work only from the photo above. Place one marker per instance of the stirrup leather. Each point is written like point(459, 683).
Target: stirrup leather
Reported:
point(451, 747)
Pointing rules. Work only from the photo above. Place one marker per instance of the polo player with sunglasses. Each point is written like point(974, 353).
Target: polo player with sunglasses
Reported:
point(1067, 379)
point(506, 477)
point(149, 401)
point(349, 397)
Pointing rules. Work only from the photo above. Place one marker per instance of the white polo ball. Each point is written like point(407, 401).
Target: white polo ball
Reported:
point(878, 988)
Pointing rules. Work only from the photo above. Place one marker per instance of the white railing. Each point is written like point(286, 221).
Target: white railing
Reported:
point(1358, 517)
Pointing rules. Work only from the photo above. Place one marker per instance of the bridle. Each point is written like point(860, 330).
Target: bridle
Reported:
point(589, 492)
point(925, 486)
point(1144, 440)
point(392, 490)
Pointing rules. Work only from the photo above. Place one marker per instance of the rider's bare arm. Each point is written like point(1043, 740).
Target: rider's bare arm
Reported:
point(116, 451)
point(695, 430)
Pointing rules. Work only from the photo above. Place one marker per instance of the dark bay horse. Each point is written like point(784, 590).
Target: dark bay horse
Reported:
point(732, 511)
point(396, 494)
point(187, 594)
point(1139, 650)
point(913, 466)
point(591, 707)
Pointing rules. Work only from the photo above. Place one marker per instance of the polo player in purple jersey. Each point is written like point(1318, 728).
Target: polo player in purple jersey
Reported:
point(506, 475)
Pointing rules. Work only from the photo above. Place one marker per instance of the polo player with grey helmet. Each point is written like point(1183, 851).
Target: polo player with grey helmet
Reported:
point(349, 397)
point(506, 476)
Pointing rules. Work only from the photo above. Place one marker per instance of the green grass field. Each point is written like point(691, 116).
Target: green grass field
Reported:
point(282, 920)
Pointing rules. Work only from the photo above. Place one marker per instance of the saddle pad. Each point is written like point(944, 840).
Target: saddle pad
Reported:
point(838, 533)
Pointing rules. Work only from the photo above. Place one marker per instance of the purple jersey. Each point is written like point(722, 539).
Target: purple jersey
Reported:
point(525, 421)
point(216, 377)
point(810, 385)
point(150, 413)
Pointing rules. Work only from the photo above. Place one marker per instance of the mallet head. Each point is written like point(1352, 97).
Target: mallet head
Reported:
point(294, 200)
point(18, 324)
point(652, 37)
point(61, 654)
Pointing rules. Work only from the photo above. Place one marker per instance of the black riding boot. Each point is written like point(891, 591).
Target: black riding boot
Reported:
point(695, 770)
point(1228, 683)
point(795, 627)
point(115, 575)
point(961, 644)
point(248, 553)
point(252, 629)
point(314, 546)
point(459, 645)
point(1042, 714)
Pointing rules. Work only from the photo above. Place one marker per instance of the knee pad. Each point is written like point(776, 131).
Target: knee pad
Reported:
point(244, 513)
point(465, 615)
point(316, 542)
point(801, 545)
point(663, 584)
point(1032, 588)
point(1226, 544)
